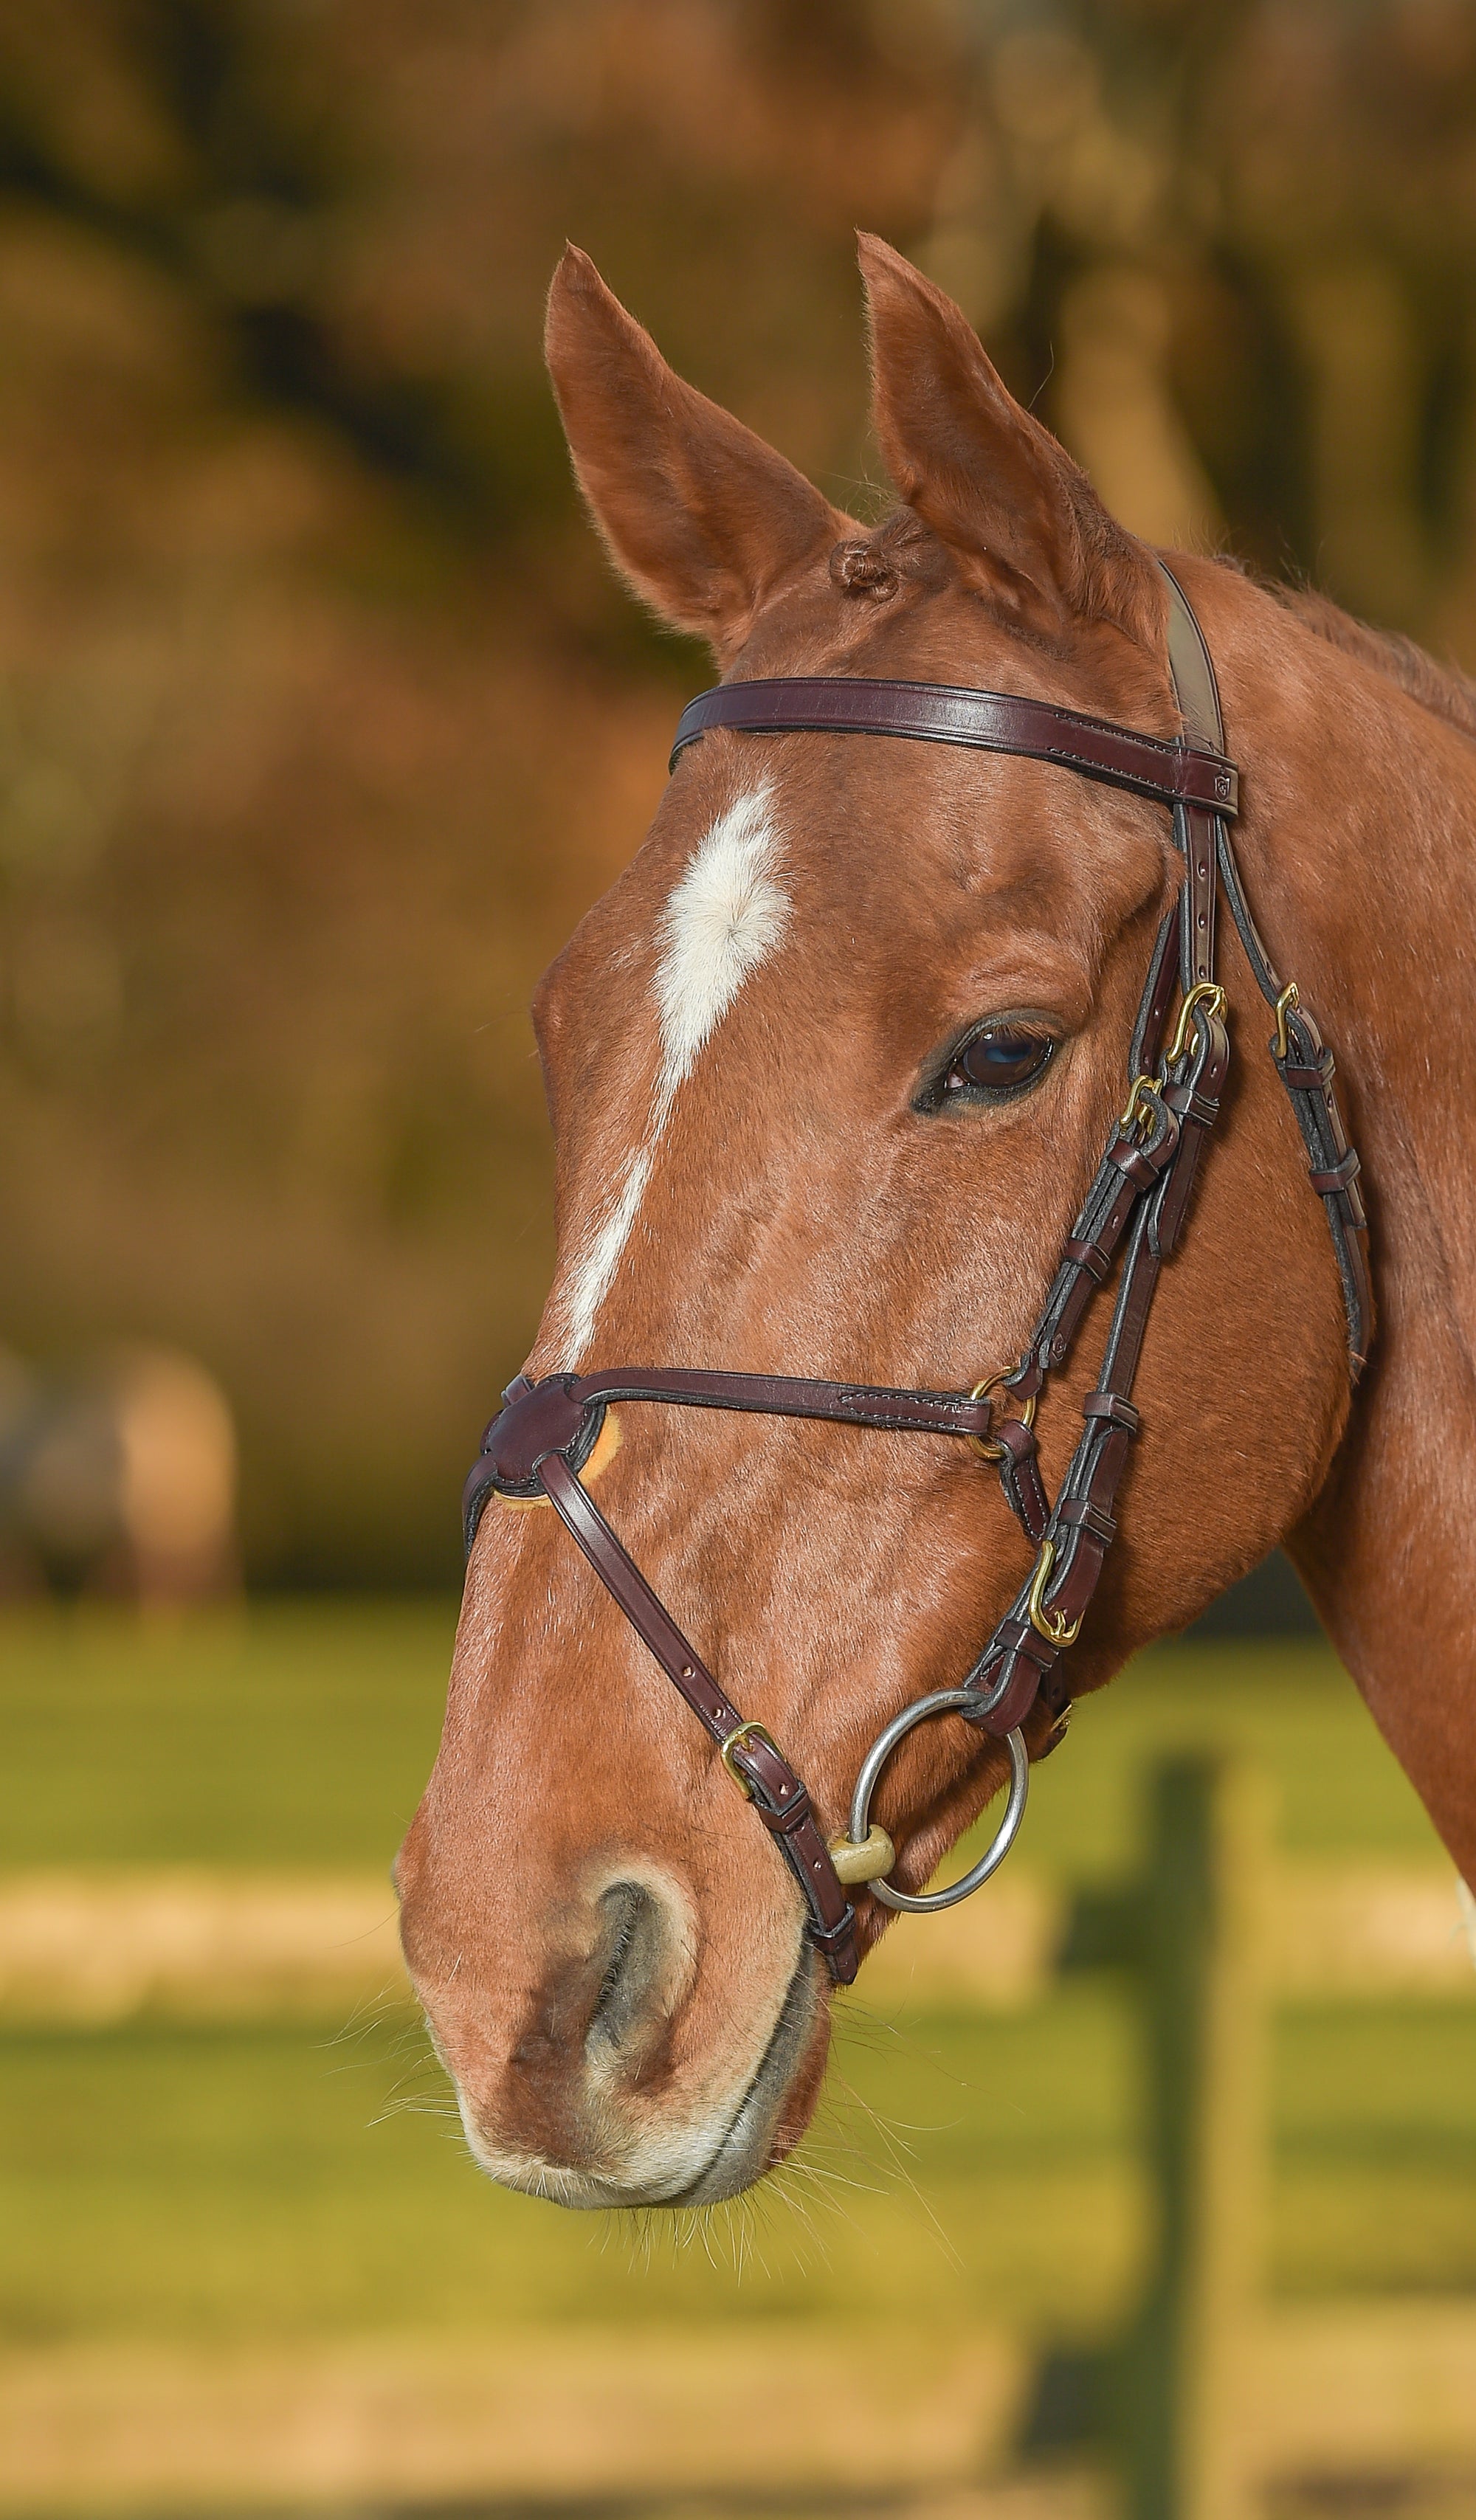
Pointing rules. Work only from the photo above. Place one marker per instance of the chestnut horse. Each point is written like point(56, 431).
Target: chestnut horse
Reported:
point(743, 1043)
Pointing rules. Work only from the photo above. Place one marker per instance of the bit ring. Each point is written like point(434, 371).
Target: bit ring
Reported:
point(926, 1903)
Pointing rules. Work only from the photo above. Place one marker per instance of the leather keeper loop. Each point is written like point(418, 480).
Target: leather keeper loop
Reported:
point(1130, 1159)
point(1017, 1638)
point(1144, 1165)
point(1079, 1513)
point(1091, 1257)
point(1117, 1412)
point(779, 1796)
point(833, 1938)
point(1022, 1671)
point(780, 1823)
point(1308, 1080)
point(1328, 1185)
point(1203, 1108)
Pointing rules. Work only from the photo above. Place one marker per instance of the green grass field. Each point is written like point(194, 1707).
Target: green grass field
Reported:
point(169, 2181)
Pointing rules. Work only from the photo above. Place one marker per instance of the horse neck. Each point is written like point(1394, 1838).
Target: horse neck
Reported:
point(1358, 851)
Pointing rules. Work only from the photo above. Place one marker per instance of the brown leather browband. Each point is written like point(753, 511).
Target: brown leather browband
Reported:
point(987, 721)
point(1136, 1208)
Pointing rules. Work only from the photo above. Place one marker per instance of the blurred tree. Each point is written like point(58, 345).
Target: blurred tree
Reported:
point(298, 617)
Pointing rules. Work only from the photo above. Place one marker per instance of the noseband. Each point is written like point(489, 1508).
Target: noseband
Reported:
point(1136, 1208)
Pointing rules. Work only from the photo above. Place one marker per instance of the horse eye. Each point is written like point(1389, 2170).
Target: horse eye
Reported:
point(998, 1059)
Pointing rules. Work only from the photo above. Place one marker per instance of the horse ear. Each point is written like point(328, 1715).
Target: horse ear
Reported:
point(1021, 518)
point(701, 516)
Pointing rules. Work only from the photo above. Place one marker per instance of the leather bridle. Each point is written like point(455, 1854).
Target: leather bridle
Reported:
point(1135, 1209)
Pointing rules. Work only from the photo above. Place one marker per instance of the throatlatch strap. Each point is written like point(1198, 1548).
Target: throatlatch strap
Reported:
point(1307, 1069)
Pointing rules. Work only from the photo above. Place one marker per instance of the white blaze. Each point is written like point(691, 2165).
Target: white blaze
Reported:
point(722, 919)
point(720, 922)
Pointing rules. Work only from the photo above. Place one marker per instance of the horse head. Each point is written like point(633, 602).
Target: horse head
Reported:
point(829, 1071)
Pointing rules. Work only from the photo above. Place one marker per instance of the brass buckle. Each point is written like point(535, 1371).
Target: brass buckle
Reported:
point(1205, 993)
point(746, 1733)
point(982, 1445)
point(1291, 996)
point(1133, 1116)
point(1053, 1625)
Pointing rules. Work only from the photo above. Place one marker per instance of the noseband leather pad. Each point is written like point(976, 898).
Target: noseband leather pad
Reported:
point(536, 1418)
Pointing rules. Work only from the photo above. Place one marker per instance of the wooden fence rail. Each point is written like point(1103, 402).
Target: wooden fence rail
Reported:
point(100, 1943)
point(1182, 2400)
point(1209, 2394)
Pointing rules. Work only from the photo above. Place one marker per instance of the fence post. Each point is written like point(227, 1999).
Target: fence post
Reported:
point(1184, 2365)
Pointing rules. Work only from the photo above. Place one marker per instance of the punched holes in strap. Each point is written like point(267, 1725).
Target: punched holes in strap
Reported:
point(780, 1799)
point(1197, 835)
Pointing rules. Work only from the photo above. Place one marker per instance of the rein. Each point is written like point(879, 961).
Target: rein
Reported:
point(1135, 1209)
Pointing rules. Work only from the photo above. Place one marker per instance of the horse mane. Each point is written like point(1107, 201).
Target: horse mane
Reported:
point(1442, 690)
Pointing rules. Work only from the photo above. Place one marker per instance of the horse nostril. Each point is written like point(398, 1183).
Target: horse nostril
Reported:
point(628, 2001)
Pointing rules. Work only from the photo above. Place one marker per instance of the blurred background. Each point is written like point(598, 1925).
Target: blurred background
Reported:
point(321, 722)
point(321, 719)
